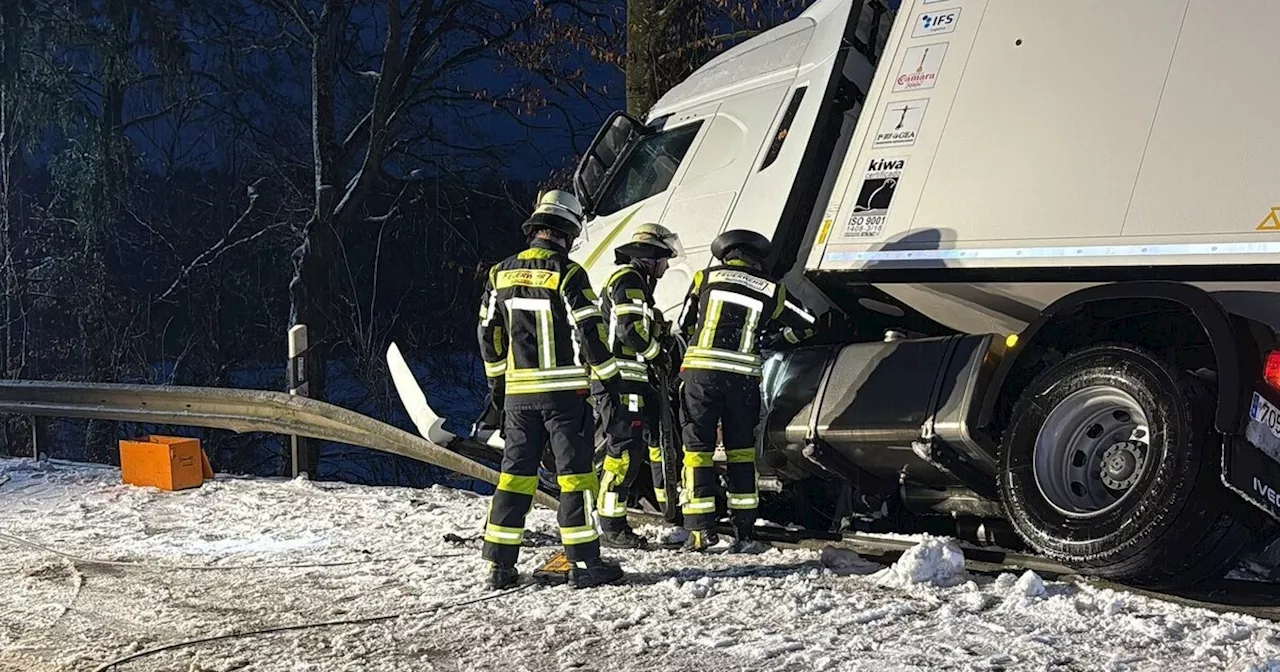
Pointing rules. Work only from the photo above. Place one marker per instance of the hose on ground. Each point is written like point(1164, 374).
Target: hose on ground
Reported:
point(166, 567)
point(305, 626)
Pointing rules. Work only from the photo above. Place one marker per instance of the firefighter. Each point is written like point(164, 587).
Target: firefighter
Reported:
point(542, 338)
point(629, 418)
point(729, 307)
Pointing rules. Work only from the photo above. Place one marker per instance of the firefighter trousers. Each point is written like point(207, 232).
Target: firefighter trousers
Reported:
point(526, 433)
point(729, 402)
point(630, 431)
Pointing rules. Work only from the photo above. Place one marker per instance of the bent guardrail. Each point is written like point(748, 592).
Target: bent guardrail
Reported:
point(235, 410)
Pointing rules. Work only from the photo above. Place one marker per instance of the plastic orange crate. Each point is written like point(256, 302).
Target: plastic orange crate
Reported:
point(165, 462)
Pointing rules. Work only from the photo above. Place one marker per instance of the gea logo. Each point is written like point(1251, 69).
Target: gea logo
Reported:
point(1268, 493)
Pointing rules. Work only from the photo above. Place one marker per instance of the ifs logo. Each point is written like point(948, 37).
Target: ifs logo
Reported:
point(936, 23)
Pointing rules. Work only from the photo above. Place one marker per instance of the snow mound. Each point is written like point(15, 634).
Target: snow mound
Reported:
point(1029, 585)
point(935, 560)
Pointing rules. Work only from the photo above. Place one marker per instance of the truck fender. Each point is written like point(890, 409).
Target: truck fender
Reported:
point(1235, 371)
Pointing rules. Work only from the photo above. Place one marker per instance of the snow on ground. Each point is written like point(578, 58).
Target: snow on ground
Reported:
point(784, 610)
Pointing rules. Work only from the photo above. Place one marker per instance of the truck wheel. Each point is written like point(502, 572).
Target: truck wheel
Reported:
point(1111, 465)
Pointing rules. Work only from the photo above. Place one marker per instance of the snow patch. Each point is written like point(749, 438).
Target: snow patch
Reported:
point(1029, 585)
point(935, 560)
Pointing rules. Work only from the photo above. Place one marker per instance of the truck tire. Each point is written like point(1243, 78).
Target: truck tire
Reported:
point(1110, 464)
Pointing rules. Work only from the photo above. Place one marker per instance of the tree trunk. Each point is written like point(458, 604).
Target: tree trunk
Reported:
point(644, 34)
point(311, 289)
point(662, 48)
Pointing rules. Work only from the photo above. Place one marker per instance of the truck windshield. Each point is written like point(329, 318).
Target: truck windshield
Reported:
point(648, 169)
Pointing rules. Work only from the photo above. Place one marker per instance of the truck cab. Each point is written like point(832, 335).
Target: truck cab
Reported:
point(1048, 273)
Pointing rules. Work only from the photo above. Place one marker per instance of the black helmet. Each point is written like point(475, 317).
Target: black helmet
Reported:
point(750, 243)
point(556, 210)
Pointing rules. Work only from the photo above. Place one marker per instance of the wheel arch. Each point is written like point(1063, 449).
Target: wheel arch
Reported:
point(1073, 321)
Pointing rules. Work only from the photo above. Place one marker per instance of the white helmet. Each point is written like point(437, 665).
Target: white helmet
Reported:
point(650, 241)
point(558, 210)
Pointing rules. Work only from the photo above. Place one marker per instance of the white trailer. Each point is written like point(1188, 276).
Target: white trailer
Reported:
point(1066, 216)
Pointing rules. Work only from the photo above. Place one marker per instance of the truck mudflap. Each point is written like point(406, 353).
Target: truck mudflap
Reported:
point(1251, 464)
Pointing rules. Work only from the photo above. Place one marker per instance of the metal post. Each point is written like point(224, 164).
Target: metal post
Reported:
point(297, 369)
point(39, 437)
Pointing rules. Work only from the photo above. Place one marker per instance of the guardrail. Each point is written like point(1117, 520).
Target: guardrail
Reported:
point(235, 410)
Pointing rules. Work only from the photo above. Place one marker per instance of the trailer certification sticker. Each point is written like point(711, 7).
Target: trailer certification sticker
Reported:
point(901, 123)
point(878, 185)
point(919, 69)
point(936, 23)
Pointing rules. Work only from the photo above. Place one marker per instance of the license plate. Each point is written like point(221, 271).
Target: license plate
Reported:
point(1264, 426)
point(1251, 467)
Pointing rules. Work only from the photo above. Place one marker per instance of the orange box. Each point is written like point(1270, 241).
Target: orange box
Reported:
point(165, 462)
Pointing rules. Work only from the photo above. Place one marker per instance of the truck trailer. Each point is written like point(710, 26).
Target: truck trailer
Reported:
point(1044, 240)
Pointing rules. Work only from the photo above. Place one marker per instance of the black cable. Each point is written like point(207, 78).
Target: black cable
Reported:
point(141, 565)
point(303, 626)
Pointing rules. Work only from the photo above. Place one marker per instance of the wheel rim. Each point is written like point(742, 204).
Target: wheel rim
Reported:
point(1091, 450)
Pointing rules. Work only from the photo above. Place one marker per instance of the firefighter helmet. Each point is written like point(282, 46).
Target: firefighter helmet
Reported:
point(753, 244)
point(650, 241)
point(557, 210)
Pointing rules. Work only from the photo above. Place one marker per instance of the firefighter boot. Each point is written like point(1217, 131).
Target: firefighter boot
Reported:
point(594, 572)
point(623, 538)
point(700, 540)
point(502, 576)
point(745, 540)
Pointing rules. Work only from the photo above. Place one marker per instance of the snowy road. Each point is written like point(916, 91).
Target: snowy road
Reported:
point(784, 610)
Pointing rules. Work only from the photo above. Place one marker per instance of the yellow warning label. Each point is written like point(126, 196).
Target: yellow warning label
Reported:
point(1271, 222)
point(826, 231)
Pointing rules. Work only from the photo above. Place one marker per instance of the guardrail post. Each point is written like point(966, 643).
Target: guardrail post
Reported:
point(39, 436)
point(297, 368)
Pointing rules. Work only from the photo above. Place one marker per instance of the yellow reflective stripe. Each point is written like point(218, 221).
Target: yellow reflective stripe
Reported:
point(585, 313)
point(743, 500)
point(651, 351)
point(508, 536)
point(635, 294)
point(790, 334)
point(607, 369)
point(579, 482)
point(660, 494)
point(627, 309)
point(719, 353)
point(554, 386)
point(698, 459)
point(495, 369)
point(582, 534)
point(742, 455)
point(655, 454)
point(703, 505)
point(717, 365)
point(524, 485)
point(611, 505)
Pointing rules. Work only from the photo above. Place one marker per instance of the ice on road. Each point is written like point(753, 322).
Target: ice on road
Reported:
point(296, 552)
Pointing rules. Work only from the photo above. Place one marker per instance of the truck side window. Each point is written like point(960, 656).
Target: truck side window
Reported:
point(649, 168)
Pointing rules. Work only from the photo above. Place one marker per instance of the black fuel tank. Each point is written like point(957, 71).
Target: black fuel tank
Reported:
point(889, 407)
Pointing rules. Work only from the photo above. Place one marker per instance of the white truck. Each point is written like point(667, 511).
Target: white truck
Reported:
point(1045, 239)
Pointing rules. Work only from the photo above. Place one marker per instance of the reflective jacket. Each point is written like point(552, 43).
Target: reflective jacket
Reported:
point(727, 309)
point(541, 334)
point(628, 309)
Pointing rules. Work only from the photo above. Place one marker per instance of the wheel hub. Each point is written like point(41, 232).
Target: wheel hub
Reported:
point(1090, 451)
point(1121, 465)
